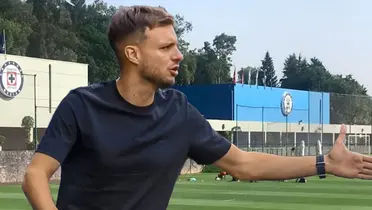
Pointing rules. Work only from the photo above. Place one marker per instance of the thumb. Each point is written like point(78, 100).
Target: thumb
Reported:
point(341, 135)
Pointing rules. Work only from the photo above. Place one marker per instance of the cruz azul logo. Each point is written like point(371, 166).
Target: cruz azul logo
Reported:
point(286, 104)
point(11, 79)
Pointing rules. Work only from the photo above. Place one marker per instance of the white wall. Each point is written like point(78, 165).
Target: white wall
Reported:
point(281, 127)
point(65, 76)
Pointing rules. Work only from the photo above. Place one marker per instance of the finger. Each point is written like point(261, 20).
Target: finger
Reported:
point(367, 165)
point(342, 134)
point(367, 159)
point(365, 176)
point(366, 171)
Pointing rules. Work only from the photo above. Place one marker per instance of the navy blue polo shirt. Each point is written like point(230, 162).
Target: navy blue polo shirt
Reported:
point(116, 156)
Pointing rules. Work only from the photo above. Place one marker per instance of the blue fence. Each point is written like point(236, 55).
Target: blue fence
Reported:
point(213, 101)
point(257, 103)
point(254, 103)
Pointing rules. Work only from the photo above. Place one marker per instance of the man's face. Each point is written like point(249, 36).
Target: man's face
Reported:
point(159, 56)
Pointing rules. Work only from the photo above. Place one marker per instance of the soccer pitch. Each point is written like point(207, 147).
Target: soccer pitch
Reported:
point(207, 194)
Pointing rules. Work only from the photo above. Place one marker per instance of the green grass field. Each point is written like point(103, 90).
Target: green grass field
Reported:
point(208, 194)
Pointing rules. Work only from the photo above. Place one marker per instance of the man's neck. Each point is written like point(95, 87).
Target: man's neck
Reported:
point(138, 93)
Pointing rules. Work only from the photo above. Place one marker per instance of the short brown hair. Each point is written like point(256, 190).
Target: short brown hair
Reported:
point(130, 20)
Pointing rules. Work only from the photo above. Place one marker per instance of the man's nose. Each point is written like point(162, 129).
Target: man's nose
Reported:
point(178, 56)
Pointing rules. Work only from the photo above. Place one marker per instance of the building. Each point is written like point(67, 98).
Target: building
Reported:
point(20, 77)
point(264, 117)
point(258, 103)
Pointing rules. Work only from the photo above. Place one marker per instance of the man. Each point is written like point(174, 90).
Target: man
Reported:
point(121, 144)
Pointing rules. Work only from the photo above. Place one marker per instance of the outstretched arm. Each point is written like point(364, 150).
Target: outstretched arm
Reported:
point(260, 166)
point(208, 147)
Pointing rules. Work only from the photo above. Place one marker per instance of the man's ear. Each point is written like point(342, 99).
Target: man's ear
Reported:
point(132, 54)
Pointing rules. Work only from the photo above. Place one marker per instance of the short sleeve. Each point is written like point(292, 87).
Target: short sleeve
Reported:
point(61, 133)
point(206, 145)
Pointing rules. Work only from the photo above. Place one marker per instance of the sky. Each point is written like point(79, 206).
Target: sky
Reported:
point(338, 32)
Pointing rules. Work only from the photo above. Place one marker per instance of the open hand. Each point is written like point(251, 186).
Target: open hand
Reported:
point(344, 163)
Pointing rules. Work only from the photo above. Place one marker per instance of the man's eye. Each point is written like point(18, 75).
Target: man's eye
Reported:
point(165, 47)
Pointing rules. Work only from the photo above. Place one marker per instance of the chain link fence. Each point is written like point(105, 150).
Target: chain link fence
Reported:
point(263, 134)
point(353, 110)
point(350, 109)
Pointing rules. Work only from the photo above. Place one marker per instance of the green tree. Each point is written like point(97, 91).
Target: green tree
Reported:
point(16, 19)
point(52, 37)
point(53, 29)
point(224, 47)
point(295, 73)
point(205, 65)
point(349, 102)
point(28, 124)
point(267, 66)
point(214, 61)
point(90, 25)
point(318, 76)
point(188, 65)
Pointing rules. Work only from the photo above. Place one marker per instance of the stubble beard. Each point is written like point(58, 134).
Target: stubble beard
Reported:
point(153, 76)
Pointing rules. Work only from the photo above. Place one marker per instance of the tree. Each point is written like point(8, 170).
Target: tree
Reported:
point(268, 70)
point(205, 65)
point(295, 73)
point(188, 65)
point(224, 47)
point(51, 36)
point(53, 29)
point(348, 103)
point(28, 124)
point(16, 19)
point(90, 26)
point(214, 61)
point(318, 76)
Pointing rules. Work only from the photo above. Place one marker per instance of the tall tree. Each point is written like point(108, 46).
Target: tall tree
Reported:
point(318, 75)
point(214, 61)
point(224, 47)
point(90, 27)
point(52, 37)
point(16, 19)
point(269, 76)
point(295, 73)
point(205, 65)
point(347, 101)
point(188, 65)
